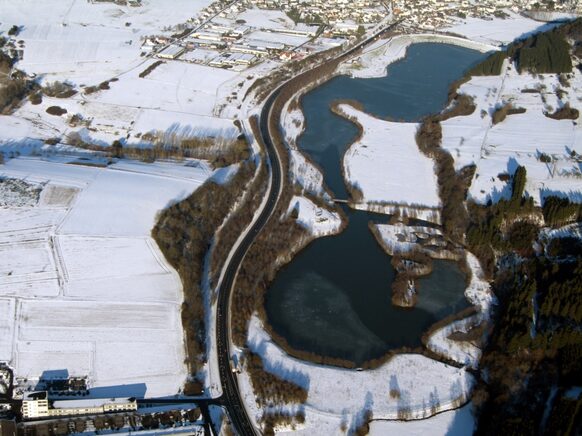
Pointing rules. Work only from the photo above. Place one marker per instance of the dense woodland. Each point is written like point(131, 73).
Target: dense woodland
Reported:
point(534, 355)
point(273, 393)
point(535, 352)
point(271, 390)
point(184, 233)
point(550, 362)
point(240, 218)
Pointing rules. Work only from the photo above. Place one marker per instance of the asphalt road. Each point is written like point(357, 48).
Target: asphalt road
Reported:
point(231, 394)
point(231, 397)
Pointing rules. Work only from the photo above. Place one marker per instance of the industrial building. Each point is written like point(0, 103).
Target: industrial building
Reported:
point(171, 52)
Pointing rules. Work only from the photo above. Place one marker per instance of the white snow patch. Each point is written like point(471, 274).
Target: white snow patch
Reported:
point(305, 173)
point(571, 230)
point(319, 221)
point(460, 422)
point(479, 294)
point(463, 352)
point(338, 394)
point(479, 291)
point(520, 139)
point(399, 238)
point(496, 31)
point(386, 164)
point(293, 124)
point(266, 19)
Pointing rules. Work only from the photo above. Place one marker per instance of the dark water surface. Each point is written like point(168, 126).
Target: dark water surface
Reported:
point(334, 298)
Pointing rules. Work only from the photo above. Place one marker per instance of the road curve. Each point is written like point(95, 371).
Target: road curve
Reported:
point(231, 397)
point(231, 394)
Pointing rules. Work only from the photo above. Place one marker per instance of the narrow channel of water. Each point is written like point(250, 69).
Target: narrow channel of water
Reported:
point(334, 298)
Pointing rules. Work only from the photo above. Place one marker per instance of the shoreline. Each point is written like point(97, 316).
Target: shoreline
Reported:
point(432, 215)
point(357, 201)
point(295, 102)
point(375, 61)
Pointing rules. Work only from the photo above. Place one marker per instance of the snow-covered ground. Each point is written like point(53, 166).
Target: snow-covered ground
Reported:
point(293, 124)
point(458, 422)
point(319, 221)
point(86, 43)
point(374, 60)
point(521, 138)
point(165, 103)
point(400, 239)
point(375, 163)
point(83, 286)
point(479, 294)
point(496, 31)
point(89, 42)
point(408, 384)
point(304, 172)
point(570, 230)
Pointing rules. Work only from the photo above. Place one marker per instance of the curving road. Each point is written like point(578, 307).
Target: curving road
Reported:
point(231, 394)
point(231, 397)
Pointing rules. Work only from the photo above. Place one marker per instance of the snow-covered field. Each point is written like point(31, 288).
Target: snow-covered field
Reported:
point(83, 286)
point(521, 138)
point(86, 44)
point(374, 60)
point(168, 102)
point(407, 385)
point(89, 42)
point(458, 422)
point(375, 163)
point(496, 31)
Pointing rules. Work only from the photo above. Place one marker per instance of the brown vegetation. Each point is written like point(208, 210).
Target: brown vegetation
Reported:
point(59, 90)
point(271, 390)
point(35, 98)
point(12, 91)
point(564, 113)
point(404, 290)
point(364, 428)
point(504, 111)
point(275, 246)
point(151, 68)
point(218, 153)
point(270, 420)
point(462, 105)
point(56, 110)
point(417, 263)
point(453, 186)
point(236, 223)
point(184, 233)
point(407, 267)
point(474, 334)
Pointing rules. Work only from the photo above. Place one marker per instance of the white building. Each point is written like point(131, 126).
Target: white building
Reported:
point(37, 405)
point(171, 52)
